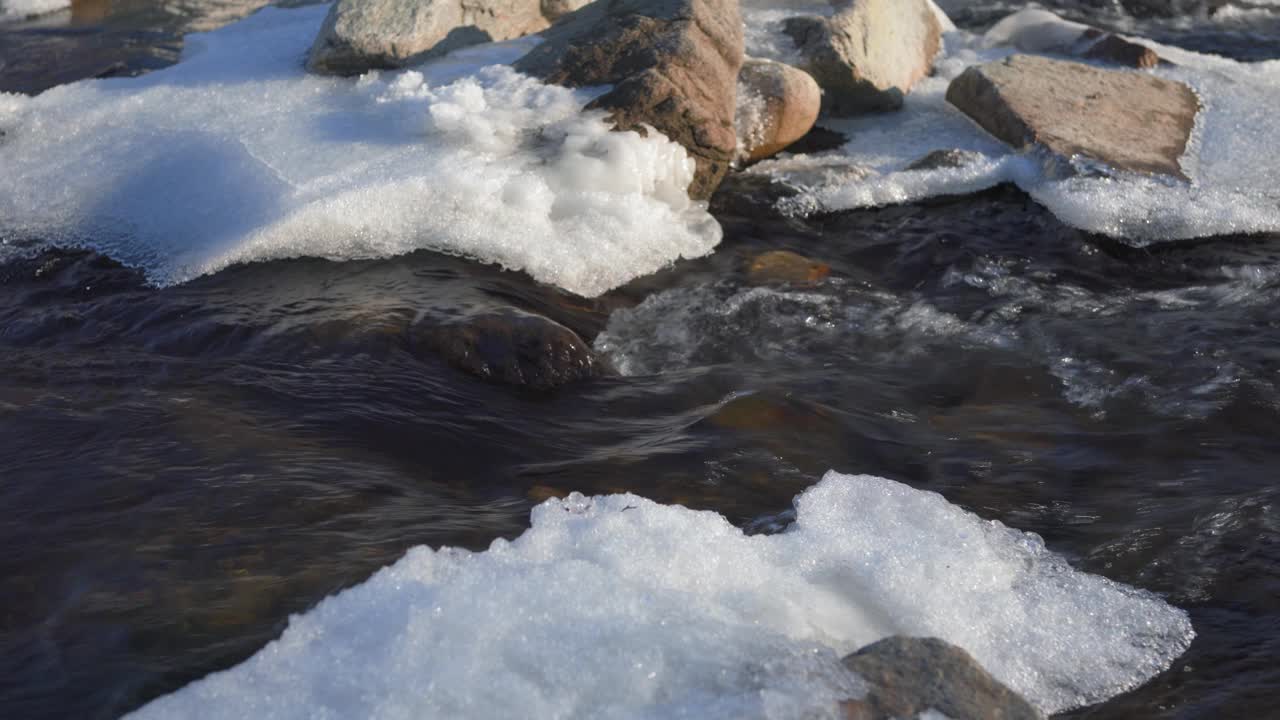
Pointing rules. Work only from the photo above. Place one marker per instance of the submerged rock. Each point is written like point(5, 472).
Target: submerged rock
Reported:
point(512, 347)
point(673, 65)
point(777, 105)
point(360, 35)
point(940, 159)
point(785, 267)
point(1132, 121)
point(870, 53)
point(910, 676)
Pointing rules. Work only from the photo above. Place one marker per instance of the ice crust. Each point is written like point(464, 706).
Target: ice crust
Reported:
point(619, 607)
point(1234, 189)
point(236, 154)
point(18, 9)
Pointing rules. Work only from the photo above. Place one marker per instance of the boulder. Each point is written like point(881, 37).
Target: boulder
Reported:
point(360, 35)
point(1111, 48)
point(909, 676)
point(1129, 120)
point(777, 105)
point(870, 53)
point(512, 347)
point(673, 65)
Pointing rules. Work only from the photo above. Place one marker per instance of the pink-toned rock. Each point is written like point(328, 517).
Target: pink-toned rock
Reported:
point(1129, 120)
point(777, 105)
point(870, 53)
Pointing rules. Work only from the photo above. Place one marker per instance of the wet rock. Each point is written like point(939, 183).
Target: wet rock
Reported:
point(777, 105)
point(778, 267)
point(939, 159)
point(1039, 31)
point(360, 35)
point(1111, 48)
point(818, 140)
point(1128, 120)
point(673, 65)
point(512, 347)
point(909, 676)
point(869, 54)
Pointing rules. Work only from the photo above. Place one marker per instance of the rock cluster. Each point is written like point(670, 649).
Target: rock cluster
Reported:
point(869, 54)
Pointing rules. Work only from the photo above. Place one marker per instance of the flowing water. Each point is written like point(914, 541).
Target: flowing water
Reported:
point(183, 467)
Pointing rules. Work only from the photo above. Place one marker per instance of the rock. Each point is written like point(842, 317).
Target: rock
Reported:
point(785, 267)
point(673, 65)
point(870, 54)
point(1040, 31)
point(777, 105)
point(360, 35)
point(939, 159)
point(908, 676)
point(512, 347)
point(1132, 121)
point(1111, 48)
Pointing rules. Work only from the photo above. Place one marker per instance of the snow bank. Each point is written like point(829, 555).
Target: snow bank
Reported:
point(618, 607)
point(18, 9)
point(235, 154)
point(1234, 189)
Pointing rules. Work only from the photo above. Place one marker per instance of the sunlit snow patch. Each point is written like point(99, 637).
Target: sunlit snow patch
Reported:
point(19, 9)
point(619, 607)
point(235, 154)
point(1233, 188)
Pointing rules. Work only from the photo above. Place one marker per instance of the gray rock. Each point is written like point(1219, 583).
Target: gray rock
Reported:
point(1129, 120)
point(360, 35)
point(870, 53)
point(777, 105)
point(938, 159)
point(512, 347)
point(908, 676)
point(673, 64)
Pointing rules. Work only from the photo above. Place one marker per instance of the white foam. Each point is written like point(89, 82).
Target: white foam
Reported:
point(18, 9)
point(1233, 188)
point(619, 607)
point(235, 155)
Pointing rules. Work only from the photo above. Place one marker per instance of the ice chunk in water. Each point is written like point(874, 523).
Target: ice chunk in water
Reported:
point(620, 607)
point(236, 154)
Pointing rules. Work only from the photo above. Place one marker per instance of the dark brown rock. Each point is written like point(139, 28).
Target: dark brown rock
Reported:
point(783, 267)
point(908, 676)
point(869, 54)
point(673, 64)
point(1129, 120)
point(1112, 48)
point(512, 347)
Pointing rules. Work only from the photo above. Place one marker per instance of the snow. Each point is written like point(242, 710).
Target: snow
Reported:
point(619, 607)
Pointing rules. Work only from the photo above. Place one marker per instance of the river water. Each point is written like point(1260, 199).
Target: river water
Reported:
point(182, 468)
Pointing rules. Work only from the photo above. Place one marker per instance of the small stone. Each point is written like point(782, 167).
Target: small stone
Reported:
point(785, 267)
point(940, 159)
point(1131, 121)
point(909, 676)
point(1112, 48)
point(777, 105)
